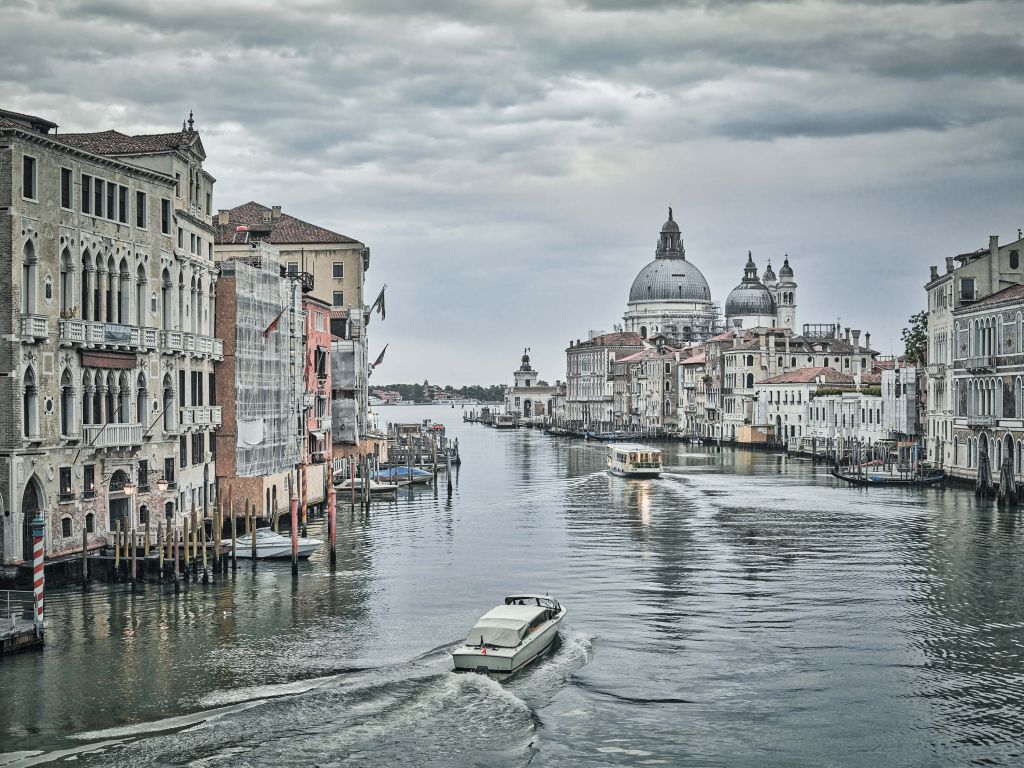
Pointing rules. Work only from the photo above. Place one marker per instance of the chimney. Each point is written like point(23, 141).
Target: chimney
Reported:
point(846, 334)
point(935, 273)
point(856, 340)
point(949, 264)
point(867, 340)
point(275, 212)
point(223, 217)
point(993, 262)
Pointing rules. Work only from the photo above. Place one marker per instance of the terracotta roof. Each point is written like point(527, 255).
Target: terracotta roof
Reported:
point(1013, 293)
point(620, 339)
point(699, 359)
point(5, 123)
point(810, 376)
point(723, 336)
point(117, 143)
point(871, 378)
point(283, 230)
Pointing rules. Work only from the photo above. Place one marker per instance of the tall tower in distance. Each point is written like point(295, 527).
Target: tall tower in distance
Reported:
point(785, 296)
point(525, 376)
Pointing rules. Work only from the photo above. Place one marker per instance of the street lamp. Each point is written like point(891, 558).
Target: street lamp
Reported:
point(162, 485)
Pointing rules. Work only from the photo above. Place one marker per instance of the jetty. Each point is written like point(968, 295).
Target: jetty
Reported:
point(18, 629)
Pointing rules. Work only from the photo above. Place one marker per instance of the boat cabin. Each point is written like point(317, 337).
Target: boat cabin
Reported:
point(634, 460)
point(508, 625)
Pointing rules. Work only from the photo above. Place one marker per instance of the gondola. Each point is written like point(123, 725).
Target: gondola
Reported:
point(868, 479)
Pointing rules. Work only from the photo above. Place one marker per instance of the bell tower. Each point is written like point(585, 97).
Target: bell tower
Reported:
point(785, 295)
point(525, 376)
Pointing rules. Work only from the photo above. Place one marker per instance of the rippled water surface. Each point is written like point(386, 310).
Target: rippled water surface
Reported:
point(742, 610)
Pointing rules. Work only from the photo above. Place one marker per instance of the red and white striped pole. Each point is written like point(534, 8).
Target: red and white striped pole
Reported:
point(38, 573)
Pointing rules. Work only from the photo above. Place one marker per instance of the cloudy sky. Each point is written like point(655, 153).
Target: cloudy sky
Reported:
point(510, 163)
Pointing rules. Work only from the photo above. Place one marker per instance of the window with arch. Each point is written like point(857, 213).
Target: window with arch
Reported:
point(65, 527)
point(140, 296)
point(29, 278)
point(67, 404)
point(30, 404)
point(750, 381)
point(141, 400)
point(750, 360)
point(67, 283)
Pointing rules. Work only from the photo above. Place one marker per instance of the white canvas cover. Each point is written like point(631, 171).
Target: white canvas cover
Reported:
point(504, 626)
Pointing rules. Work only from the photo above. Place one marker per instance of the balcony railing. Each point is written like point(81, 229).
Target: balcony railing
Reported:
point(981, 421)
point(936, 369)
point(111, 435)
point(192, 344)
point(980, 363)
point(92, 333)
point(199, 416)
point(35, 327)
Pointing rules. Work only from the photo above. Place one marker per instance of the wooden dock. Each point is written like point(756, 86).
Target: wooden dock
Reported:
point(17, 625)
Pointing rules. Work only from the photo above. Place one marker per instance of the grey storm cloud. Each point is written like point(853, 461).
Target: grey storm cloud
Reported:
point(509, 163)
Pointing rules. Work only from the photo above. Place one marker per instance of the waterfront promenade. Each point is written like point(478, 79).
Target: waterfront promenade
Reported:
point(744, 610)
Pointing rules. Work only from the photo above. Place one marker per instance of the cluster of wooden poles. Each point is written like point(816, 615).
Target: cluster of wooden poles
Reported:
point(184, 552)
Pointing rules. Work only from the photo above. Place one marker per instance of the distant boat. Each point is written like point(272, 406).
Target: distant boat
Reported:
point(869, 478)
point(272, 545)
point(419, 476)
point(505, 421)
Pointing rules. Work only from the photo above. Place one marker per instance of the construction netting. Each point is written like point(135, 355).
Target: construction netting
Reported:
point(268, 368)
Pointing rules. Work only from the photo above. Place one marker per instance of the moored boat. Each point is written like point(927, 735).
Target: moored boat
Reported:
point(505, 421)
point(510, 636)
point(272, 545)
point(634, 460)
point(416, 477)
point(870, 476)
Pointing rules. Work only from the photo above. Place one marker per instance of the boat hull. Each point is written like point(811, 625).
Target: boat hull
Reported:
point(275, 552)
point(635, 473)
point(503, 662)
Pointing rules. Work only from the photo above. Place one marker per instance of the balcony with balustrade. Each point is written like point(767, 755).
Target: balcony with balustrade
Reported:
point(93, 334)
point(193, 416)
point(34, 328)
point(185, 343)
point(112, 435)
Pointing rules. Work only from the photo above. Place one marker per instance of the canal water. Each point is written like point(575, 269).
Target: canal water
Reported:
point(743, 610)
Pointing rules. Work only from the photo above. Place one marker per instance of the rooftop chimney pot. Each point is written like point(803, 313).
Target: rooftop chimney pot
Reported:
point(275, 212)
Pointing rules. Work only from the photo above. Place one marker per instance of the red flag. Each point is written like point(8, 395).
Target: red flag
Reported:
point(273, 324)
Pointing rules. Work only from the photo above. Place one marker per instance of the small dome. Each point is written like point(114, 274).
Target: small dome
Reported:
point(670, 280)
point(786, 271)
point(769, 274)
point(749, 299)
point(670, 225)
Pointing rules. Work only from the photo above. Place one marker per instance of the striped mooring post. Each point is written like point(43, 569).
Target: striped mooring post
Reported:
point(38, 574)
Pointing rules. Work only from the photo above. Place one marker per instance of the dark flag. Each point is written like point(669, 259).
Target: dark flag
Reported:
point(380, 358)
point(273, 324)
point(378, 304)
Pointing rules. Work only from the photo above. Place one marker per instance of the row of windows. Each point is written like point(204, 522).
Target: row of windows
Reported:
point(98, 197)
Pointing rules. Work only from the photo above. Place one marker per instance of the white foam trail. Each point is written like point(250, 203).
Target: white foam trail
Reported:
point(167, 723)
point(26, 759)
point(238, 695)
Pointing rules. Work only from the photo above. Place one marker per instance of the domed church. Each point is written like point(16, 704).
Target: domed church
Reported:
point(768, 302)
point(670, 296)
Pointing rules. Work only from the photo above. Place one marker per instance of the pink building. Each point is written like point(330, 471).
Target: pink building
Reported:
point(316, 453)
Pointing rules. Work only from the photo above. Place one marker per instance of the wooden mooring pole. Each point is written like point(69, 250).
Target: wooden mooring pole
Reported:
point(85, 559)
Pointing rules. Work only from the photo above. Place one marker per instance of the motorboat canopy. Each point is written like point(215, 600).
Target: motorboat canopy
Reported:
point(505, 626)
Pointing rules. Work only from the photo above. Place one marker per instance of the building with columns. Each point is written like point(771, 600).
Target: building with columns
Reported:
point(532, 399)
point(106, 331)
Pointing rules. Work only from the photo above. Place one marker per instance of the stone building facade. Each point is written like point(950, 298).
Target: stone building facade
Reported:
point(106, 326)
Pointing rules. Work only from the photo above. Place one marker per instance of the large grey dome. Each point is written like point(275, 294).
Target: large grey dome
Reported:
point(748, 299)
point(670, 280)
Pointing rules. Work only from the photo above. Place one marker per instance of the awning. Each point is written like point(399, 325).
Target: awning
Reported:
point(109, 360)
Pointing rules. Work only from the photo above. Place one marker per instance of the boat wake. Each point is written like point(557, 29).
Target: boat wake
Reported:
point(413, 712)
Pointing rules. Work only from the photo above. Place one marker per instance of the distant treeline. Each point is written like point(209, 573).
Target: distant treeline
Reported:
point(420, 393)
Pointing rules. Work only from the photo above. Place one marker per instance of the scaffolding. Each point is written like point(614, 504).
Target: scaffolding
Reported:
point(268, 367)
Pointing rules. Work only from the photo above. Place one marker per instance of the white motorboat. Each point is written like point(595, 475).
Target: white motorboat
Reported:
point(376, 488)
point(271, 545)
point(507, 638)
point(634, 460)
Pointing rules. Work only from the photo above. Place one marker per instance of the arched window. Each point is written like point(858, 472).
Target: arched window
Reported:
point(668, 407)
point(30, 404)
point(792, 362)
point(29, 264)
point(197, 311)
point(86, 401)
point(168, 404)
point(90, 523)
point(141, 401)
point(181, 300)
point(124, 406)
point(85, 286)
point(109, 304)
point(110, 399)
point(67, 404)
point(750, 360)
point(140, 297)
point(124, 292)
point(750, 381)
point(143, 514)
point(166, 313)
point(65, 527)
point(67, 283)
point(643, 331)
point(193, 293)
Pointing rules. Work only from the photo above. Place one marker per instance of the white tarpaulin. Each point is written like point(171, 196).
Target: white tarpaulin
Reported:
point(250, 433)
point(504, 626)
